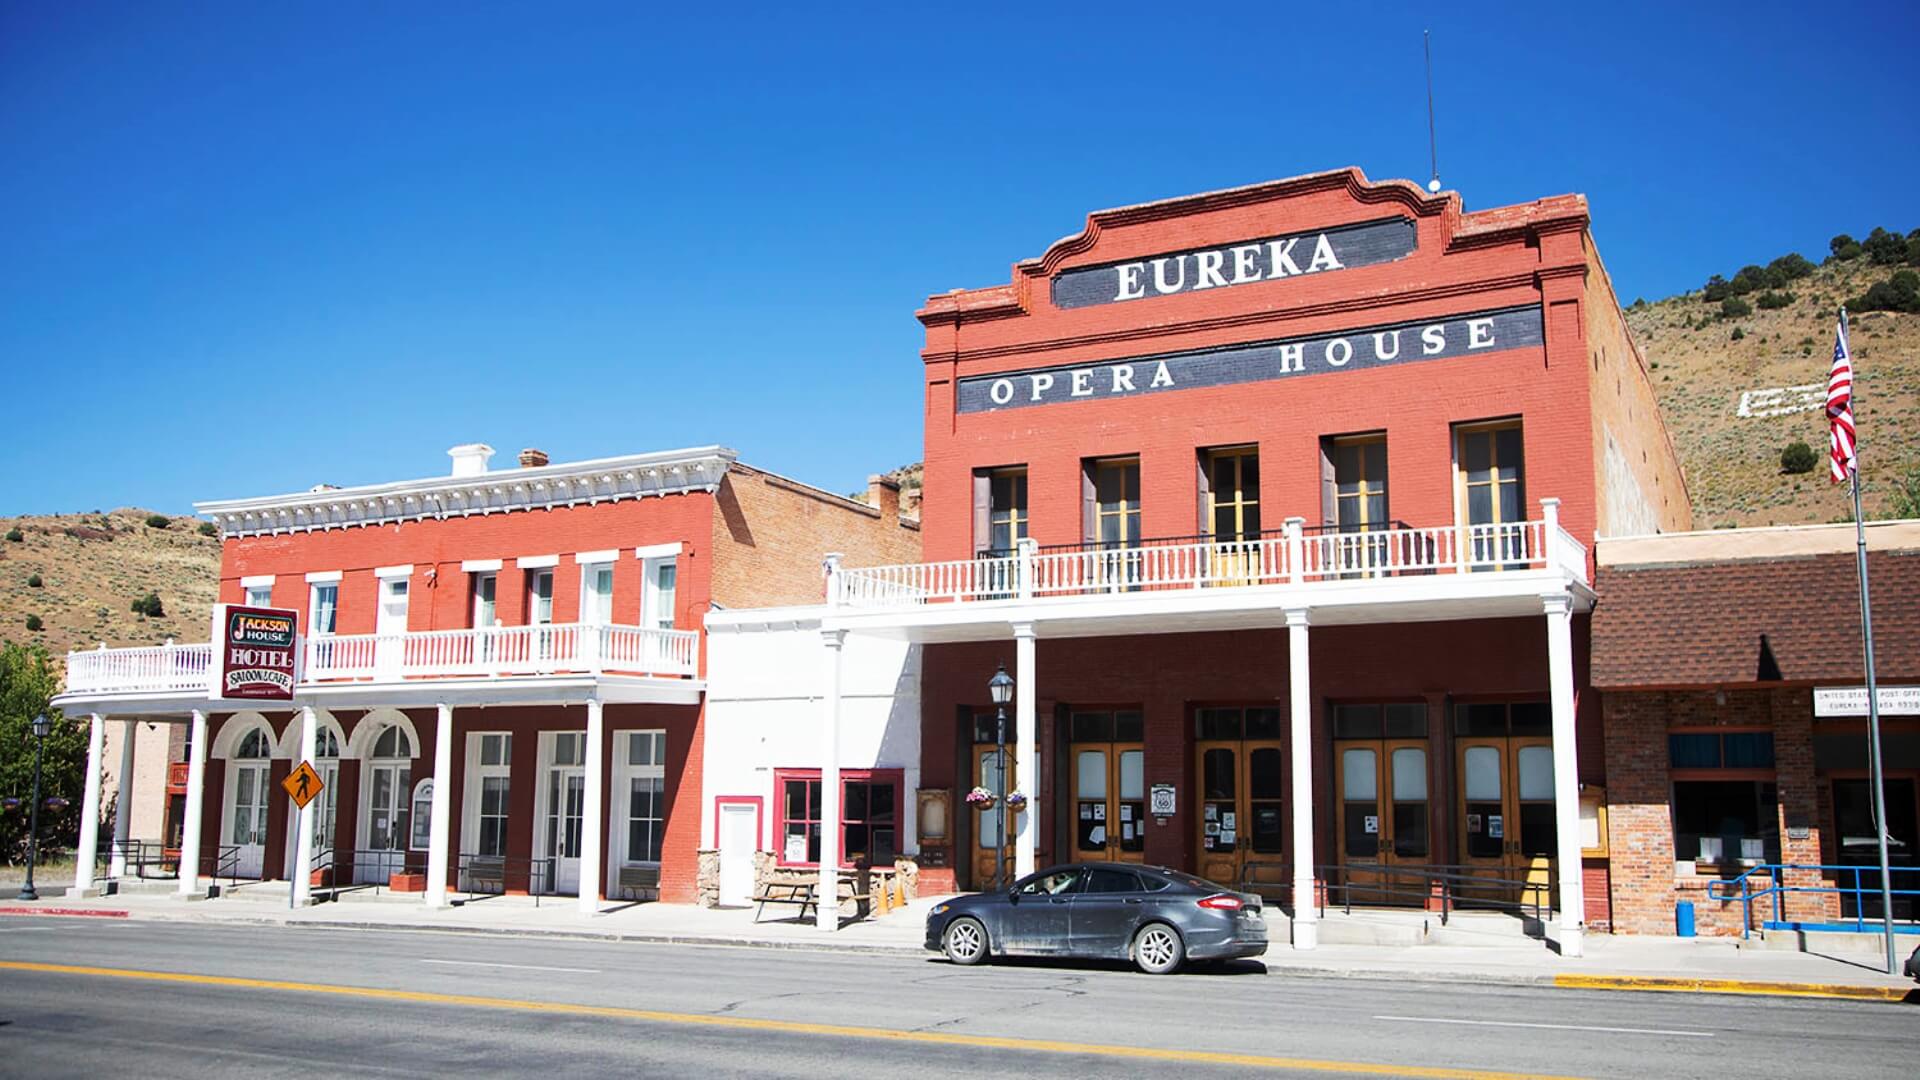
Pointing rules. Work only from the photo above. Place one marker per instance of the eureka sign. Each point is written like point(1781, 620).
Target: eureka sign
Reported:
point(1289, 255)
point(1383, 346)
point(259, 649)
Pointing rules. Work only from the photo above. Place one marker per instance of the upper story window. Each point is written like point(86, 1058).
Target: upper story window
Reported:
point(1230, 493)
point(323, 607)
point(658, 593)
point(393, 743)
point(485, 599)
point(539, 597)
point(1111, 495)
point(596, 593)
point(1490, 470)
point(258, 594)
point(1356, 484)
point(999, 508)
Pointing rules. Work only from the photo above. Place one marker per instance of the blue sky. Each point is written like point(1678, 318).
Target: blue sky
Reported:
point(244, 251)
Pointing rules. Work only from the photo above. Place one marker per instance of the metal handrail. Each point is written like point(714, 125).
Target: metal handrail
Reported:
point(539, 873)
point(1445, 882)
point(1777, 888)
point(135, 854)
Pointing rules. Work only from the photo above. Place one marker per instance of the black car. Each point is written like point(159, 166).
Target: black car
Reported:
point(1156, 917)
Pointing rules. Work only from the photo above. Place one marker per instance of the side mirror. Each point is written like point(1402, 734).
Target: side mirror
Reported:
point(1013, 896)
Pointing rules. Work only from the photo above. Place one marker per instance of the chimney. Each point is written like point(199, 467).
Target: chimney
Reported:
point(883, 494)
point(470, 459)
point(532, 459)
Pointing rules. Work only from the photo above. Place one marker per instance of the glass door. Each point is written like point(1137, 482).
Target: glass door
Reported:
point(391, 624)
point(1507, 826)
point(992, 827)
point(1382, 815)
point(1239, 765)
point(1856, 844)
point(1109, 786)
point(563, 799)
point(249, 832)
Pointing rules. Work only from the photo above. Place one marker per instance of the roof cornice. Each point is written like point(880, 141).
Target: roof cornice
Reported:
point(665, 472)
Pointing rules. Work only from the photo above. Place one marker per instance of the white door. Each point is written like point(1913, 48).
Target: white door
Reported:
point(249, 818)
point(563, 799)
point(392, 622)
point(389, 786)
point(739, 836)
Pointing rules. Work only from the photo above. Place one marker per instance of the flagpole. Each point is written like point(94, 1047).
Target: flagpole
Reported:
point(1873, 691)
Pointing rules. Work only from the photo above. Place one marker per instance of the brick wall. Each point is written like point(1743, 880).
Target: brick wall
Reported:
point(770, 535)
point(1646, 880)
point(1645, 490)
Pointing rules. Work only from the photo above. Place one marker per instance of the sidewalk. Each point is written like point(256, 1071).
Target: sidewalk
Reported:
point(1611, 962)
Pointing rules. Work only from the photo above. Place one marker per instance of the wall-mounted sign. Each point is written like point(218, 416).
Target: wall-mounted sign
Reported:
point(259, 652)
point(1267, 259)
point(1161, 800)
point(1350, 350)
point(1829, 701)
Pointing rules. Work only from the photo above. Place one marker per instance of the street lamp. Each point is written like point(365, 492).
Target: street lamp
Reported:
point(41, 725)
point(1000, 687)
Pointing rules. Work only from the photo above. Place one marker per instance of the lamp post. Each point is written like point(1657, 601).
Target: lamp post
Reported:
point(1001, 689)
point(41, 725)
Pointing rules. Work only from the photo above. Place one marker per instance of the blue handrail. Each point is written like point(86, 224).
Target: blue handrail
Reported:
point(1777, 888)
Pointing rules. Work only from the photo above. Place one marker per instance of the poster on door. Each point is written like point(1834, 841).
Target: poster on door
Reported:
point(259, 655)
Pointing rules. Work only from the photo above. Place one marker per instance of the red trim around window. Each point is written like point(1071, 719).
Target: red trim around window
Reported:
point(780, 777)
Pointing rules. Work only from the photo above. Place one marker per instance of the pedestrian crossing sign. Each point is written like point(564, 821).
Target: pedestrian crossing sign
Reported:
point(303, 784)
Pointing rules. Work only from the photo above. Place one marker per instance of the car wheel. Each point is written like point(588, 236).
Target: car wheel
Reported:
point(1158, 949)
point(965, 941)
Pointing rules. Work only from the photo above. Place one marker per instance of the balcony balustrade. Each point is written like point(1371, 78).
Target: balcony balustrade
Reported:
point(552, 649)
point(1293, 556)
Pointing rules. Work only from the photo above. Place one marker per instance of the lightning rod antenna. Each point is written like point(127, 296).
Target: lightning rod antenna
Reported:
point(1433, 144)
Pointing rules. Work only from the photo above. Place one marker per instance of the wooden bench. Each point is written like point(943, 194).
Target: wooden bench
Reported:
point(635, 878)
point(781, 892)
point(488, 871)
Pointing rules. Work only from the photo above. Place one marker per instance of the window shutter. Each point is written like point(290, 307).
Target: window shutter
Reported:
point(1089, 504)
point(982, 509)
point(1329, 486)
point(1203, 506)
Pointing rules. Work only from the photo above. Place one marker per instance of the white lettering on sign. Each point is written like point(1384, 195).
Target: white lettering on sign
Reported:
point(1831, 701)
point(1240, 262)
point(1340, 350)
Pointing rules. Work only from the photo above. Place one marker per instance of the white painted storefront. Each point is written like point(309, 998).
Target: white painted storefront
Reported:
point(767, 710)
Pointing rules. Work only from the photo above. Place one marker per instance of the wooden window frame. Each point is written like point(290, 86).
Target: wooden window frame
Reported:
point(1243, 499)
point(1130, 513)
point(1462, 487)
point(1369, 486)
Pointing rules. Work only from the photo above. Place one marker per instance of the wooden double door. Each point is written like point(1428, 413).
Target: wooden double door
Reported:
point(1383, 817)
point(1239, 776)
point(1508, 832)
point(1108, 767)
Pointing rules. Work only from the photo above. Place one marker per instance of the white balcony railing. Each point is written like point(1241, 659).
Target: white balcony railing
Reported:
point(565, 648)
point(1291, 557)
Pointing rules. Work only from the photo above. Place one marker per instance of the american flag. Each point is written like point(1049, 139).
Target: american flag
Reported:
point(1840, 406)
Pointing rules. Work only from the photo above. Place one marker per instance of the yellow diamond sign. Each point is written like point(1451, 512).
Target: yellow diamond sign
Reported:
point(303, 784)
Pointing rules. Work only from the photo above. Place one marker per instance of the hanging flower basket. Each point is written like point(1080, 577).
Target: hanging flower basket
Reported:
point(1016, 800)
point(980, 799)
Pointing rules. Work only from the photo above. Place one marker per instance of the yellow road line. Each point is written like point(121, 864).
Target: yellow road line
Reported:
point(1730, 986)
point(940, 1038)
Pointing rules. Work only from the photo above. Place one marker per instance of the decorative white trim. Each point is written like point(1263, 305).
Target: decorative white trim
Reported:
point(480, 566)
point(585, 558)
point(255, 581)
point(323, 577)
point(658, 551)
point(393, 571)
point(536, 562)
point(634, 476)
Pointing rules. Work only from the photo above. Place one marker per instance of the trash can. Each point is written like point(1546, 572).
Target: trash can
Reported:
point(1683, 918)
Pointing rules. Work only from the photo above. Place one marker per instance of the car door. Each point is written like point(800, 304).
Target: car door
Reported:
point(1106, 911)
point(1038, 912)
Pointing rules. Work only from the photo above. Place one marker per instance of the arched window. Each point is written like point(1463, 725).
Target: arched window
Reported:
point(326, 744)
point(422, 814)
point(255, 744)
point(392, 743)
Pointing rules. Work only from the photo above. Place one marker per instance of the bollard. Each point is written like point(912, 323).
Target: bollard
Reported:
point(883, 899)
point(1683, 918)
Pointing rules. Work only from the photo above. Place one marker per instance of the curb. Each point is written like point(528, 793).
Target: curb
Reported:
point(1744, 987)
point(94, 913)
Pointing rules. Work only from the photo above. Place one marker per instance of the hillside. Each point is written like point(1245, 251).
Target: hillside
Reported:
point(92, 567)
point(1777, 370)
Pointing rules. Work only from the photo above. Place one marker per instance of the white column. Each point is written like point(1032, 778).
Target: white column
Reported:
point(1306, 916)
point(438, 841)
point(827, 913)
point(303, 854)
point(1566, 773)
point(123, 804)
point(89, 845)
point(196, 792)
point(1026, 754)
point(592, 816)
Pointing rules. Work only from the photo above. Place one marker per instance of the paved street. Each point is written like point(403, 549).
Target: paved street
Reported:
point(413, 1003)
